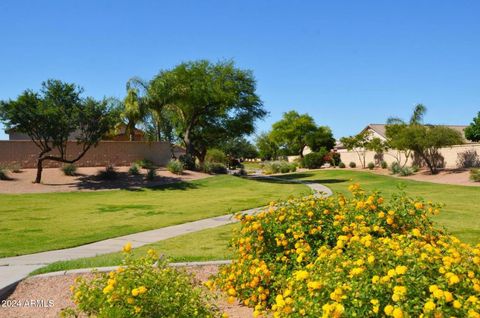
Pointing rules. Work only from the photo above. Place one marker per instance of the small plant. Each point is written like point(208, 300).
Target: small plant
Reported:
point(371, 165)
point(134, 170)
point(188, 162)
point(341, 165)
point(468, 159)
point(216, 155)
point(151, 174)
point(69, 169)
point(315, 160)
point(415, 168)
point(146, 164)
point(215, 168)
point(352, 164)
point(475, 175)
point(109, 173)
point(384, 165)
point(3, 174)
point(15, 168)
point(175, 166)
point(395, 168)
point(273, 167)
point(406, 171)
point(143, 287)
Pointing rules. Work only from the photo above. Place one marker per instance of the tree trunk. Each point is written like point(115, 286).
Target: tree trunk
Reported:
point(132, 134)
point(38, 179)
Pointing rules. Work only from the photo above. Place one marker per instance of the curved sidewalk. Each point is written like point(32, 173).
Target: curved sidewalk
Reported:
point(14, 269)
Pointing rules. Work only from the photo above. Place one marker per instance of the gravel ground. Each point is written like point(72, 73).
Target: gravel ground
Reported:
point(53, 180)
point(55, 294)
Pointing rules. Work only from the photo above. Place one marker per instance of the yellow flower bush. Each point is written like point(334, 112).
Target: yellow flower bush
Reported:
point(144, 287)
point(352, 256)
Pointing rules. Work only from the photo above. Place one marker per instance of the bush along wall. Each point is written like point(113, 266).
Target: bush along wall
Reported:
point(352, 256)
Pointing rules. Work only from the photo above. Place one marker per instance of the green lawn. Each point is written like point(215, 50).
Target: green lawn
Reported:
point(39, 222)
point(211, 244)
point(461, 214)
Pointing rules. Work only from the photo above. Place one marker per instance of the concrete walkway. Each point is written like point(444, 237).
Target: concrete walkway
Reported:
point(14, 269)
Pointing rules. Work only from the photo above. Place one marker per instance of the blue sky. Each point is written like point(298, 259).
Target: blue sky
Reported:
point(346, 63)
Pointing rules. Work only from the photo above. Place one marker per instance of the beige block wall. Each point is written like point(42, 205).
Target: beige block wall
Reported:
point(118, 153)
point(450, 155)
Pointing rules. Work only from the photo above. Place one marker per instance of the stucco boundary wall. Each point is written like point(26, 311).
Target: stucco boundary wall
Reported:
point(119, 153)
point(450, 155)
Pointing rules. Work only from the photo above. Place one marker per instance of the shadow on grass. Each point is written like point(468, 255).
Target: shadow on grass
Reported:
point(296, 177)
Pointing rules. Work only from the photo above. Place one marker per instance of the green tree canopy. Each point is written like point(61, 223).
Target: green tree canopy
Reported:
point(296, 131)
point(268, 149)
point(472, 132)
point(56, 114)
point(213, 102)
point(239, 148)
point(134, 111)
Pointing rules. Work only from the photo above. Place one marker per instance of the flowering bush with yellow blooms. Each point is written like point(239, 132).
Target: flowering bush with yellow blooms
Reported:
point(352, 256)
point(143, 287)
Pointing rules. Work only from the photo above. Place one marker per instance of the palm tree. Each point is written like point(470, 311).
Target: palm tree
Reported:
point(134, 111)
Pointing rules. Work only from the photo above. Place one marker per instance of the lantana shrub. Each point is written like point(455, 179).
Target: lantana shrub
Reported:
point(142, 287)
point(352, 256)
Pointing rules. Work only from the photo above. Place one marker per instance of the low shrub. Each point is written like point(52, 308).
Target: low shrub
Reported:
point(151, 174)
point(272, 167)
point(341, 165)
point(371, 165)
point(395, 167)
point(3, 174)
point(188, 162)
point(216, 155)
point(109, 173)
point(335, 158)
point(415, 168)
point(357, 255)
point(144, 287)
point(146, 164)
point(315, 160)
point(475, 175)
point(134, 170)
point(175, 166)
point(406, 171)
point(15, 168)
point(384, 165)
point(352, 164)
point(69, 169)
point(215, 168)
point(468, 159)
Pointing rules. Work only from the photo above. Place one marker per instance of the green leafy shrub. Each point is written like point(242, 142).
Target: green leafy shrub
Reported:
point(341, 165)
point(146, 164)
point(69, 169)
point(151, 174)
point(335, 158)
point(384, 165)
point(215, 168)
point(188, 162)
point(415, 168)
point(134, 170)
point(475, 175)
point(216, 155)
point(272, 167)
point(109, 173)
point(315, 160)
point(371, 165)
point(175, 166)
point(395, 168)
point(357, 255)
point(144, 287)
point(352, 164)
point(406, 171)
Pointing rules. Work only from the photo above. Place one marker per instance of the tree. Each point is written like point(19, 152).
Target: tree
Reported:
point(472, 132)
point(296, 131)
point(424, 140)
point(54, 115)
point(267, 148)
point(358, 143)
point(134, 111)
point(213, 102)
point(239, 148)
point(378, 146)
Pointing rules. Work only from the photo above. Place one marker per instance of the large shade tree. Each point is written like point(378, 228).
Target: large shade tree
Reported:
point(213, 102)
point(56, 114)
point(268, 149)
point(296, 131)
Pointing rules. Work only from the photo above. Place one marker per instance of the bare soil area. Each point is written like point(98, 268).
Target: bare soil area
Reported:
point(56, 290)
point(447, 176)
point(86, 179)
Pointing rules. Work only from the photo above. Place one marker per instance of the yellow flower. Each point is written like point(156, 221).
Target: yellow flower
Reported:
point(438, 293)
point(400, 269)
point(418, 205)
point(429, 306)
point(448, 296)
point(142, 289)
point(135, 292)
point(130, 300)
point(397, 313)
point(232, 292)
point(375, 279)
point(416, 232)
point(107, 289)
point(388, 310)
point(127, 247)
point(231, 300)
point(314, 285)
point(137, 309)
point(453, 279)
point(301, 275)
point(279, 300)
point(457, 304)
point(371, 259)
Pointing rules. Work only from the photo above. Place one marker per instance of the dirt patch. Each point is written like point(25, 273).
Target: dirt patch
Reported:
point(56, 290)
point(53, 180)
point(453, 176)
